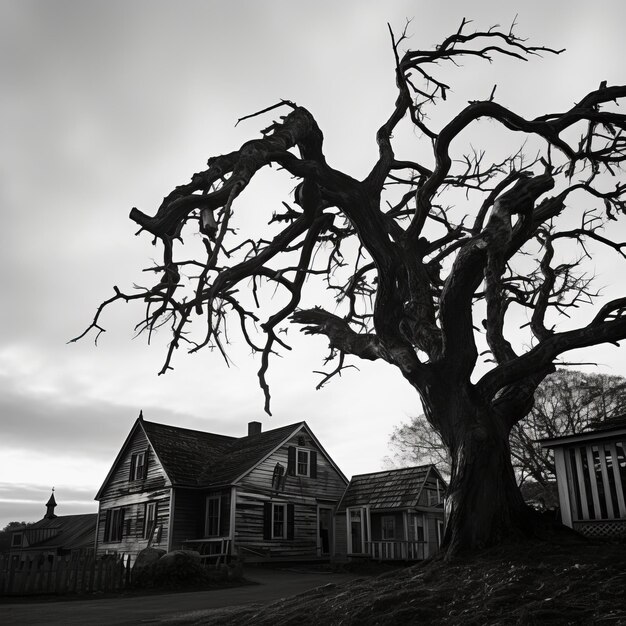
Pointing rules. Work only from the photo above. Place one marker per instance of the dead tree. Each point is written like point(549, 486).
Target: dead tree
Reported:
point(412, 280)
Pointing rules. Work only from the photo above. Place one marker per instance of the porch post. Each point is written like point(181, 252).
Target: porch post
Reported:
point(233, 510)
point(405, 547)
point(618, 481)
point(605, 481)
point(581, 484)
point(561, 482)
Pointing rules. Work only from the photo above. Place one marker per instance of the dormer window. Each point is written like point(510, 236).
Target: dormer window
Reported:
point(16, 540)
point(138, 466)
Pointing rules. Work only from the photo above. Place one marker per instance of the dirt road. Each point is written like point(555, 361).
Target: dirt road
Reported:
point(270, 585)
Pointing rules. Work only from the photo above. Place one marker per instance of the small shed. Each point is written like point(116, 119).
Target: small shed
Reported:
point(591, 477)
point(392, 515)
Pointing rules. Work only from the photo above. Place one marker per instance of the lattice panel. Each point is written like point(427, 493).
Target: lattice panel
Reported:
point(603, 529)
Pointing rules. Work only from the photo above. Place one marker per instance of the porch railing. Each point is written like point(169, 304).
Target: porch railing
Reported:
point(396, 550)
point(216, 549)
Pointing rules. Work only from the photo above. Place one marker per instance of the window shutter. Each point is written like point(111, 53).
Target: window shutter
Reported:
point(267, 520)
point(291, 461)
point(133, 464)
point(107, 525)
point(313, 463)
point(121, 524)
point(145, 463)
point(290, 521)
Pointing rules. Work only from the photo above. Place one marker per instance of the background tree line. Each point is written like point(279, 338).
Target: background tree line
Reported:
point(566, 402)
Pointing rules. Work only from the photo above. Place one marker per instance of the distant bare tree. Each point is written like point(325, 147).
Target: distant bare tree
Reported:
point(427, 260)
point(566, 402)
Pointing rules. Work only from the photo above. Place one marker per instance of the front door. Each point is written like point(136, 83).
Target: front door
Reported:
point(357, 531)
point(325, 533)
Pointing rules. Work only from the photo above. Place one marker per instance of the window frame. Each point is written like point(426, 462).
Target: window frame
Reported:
point(308, 461)
point(138, 471)
point(150, 520)
point(17, 535)
point(114, 525)
point(275, 507)
point(216, 518)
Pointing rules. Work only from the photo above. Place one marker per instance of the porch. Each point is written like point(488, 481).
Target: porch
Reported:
point(396, 550)
point(591, 479)
point(212, 550)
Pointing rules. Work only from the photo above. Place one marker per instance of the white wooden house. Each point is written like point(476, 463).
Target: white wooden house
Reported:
point(266, 496)
point(591, 478)
point(392, 515)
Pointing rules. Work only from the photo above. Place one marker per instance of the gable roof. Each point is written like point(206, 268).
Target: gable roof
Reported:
point(391, 489)
point(246, 453)
point(68, 532)
point(197, 459)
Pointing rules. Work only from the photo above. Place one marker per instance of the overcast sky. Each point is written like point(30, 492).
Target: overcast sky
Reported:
point(109, 105)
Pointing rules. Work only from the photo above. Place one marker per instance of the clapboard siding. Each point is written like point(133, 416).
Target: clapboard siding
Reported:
point(119, 484)
point(133, 539)
point(132, 495)
point(249, 541)
point(328, 485)
point(304, 492)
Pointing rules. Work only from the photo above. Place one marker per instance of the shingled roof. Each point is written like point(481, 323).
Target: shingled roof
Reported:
point(392, 489)
point(196, 458)
point(68, 532)
point(185, 453)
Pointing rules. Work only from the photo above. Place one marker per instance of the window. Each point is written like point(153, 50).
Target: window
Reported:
point(302, 467)
point(16, 540)
point(212, 523)
point(434, 496)
point(138, 466)
point(388, 525)
point(150, 515)
point(301, 462)
point(279, 521)
point(114, 525)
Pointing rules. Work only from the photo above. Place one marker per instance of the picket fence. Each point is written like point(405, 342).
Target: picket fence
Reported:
point(60, 574)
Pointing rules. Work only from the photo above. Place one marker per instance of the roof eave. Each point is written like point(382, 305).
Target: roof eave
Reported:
point(556, 442)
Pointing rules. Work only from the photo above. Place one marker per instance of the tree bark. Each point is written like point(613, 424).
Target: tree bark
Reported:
point(484, 505)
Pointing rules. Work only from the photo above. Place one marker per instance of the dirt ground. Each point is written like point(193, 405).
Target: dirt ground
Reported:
point(536, 583)
point(539, 583)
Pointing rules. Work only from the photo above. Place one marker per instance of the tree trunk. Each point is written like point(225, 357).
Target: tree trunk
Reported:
point(484, 505)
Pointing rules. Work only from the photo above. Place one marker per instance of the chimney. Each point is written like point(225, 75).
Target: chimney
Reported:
point(50, 506)
point(254, 428)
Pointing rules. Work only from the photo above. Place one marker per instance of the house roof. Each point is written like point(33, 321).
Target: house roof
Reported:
point(69, 532)
point(198, 459)
point(615, 425)
point(194, 458)
point(391, 489)
point(185, 453)
point(245, 453)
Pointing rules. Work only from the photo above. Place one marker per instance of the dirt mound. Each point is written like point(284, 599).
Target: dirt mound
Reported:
point(534, 583)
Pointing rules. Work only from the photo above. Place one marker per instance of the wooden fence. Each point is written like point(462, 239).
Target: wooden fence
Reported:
point(58, 575)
